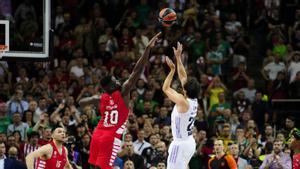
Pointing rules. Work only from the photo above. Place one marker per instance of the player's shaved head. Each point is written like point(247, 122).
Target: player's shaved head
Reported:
point(59, 134)
point(56, 128)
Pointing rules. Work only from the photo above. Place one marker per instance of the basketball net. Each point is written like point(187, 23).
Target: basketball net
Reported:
point(2, 50)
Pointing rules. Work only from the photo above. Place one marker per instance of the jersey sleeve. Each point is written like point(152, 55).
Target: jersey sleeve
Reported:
point(209, 162)
point(231, 162)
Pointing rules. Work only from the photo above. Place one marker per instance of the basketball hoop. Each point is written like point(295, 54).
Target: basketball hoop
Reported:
point(2, 50)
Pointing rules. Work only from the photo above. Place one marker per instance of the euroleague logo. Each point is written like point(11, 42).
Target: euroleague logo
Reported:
point(111, 102)
point(54, 154)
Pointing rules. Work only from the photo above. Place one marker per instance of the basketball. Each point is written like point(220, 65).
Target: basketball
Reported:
point(167, 17)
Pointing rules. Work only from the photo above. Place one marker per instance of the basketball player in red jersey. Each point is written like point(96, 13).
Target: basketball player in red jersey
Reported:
point(295, 146)
point(51, 156)
point(114, 110)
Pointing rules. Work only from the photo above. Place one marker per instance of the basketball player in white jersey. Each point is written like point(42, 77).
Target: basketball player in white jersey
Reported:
point(183, 115)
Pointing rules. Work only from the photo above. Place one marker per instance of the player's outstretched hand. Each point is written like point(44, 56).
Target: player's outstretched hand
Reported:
point(178, 51)
point(153, 40)
point(170, 63)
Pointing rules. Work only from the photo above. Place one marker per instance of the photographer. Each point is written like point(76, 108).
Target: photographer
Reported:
point(84, 150)
point(149, 152)
point(74, 155)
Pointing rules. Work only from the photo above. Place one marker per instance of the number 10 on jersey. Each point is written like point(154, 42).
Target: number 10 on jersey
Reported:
point(111, 118)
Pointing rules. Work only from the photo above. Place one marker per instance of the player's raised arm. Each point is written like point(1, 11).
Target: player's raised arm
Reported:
point(93, 100)
point(43, 151)
point(180, 68)
point(174, 96)
point(138, 68)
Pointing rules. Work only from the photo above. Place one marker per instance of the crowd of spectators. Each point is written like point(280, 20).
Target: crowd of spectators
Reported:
point(94, 38)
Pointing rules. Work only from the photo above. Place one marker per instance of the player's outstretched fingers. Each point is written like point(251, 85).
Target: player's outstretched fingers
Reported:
point(178, 51)
point(154, 40)
point(170, 63)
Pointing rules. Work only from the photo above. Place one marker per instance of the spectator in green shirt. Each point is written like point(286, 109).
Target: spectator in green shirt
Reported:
point(214, 59)
point(280, 48)
point(223, 46)
point(4, 119)
point(143, 10)
point(139, 105)
point(197, 48)
point(218, 109)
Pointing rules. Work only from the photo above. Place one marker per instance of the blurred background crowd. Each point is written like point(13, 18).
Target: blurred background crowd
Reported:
point(244, 53)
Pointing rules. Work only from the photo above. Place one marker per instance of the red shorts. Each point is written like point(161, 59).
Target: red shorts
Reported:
point(296, 161)
point(104, 148)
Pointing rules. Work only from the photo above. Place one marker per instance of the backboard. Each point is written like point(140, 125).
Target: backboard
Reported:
point(25, 29)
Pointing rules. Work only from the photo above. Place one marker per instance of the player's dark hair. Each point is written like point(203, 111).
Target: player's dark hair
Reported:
point(192, 88)
point(109, 84)
point(105, 81)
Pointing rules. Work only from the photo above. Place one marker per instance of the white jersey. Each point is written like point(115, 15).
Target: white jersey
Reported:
point(183, 123)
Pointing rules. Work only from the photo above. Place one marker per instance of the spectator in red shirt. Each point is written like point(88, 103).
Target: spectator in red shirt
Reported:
point(46, 137)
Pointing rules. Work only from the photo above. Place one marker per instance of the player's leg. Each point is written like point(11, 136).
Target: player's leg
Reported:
point(190, 148)
point(173, 154)
point(94, 147)
point(175, 157)
point(108, 153)
point(180, 154)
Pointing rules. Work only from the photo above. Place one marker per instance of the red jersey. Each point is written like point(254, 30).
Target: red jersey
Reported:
point(114, 111)
point(106, 142)
point(56, 161)
point(296, 161)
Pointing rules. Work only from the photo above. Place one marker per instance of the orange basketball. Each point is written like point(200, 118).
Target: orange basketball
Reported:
point(167, 17)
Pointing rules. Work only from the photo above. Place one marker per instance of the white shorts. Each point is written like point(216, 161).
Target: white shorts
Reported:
point(180, 153)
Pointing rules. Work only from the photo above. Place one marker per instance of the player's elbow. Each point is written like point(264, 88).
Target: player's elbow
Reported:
point(85, 102)
point(167, 92)
point(165, 89)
